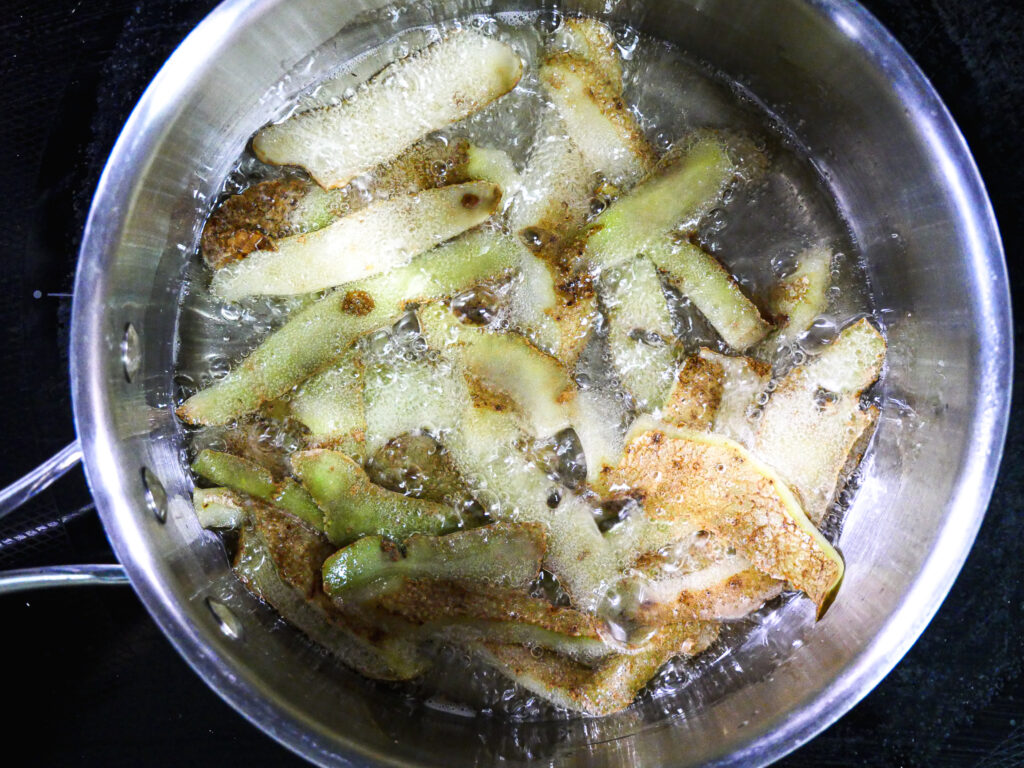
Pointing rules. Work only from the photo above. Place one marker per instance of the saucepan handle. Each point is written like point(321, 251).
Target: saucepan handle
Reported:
point(19, 492)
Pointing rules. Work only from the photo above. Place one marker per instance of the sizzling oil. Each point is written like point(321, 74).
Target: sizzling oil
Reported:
point(756, 232)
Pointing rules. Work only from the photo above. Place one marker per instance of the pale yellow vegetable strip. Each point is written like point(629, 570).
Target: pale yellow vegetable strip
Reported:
point(605, 132)
point(704, 281)
point(808, 437)
point(331, 405)
point(599, 418)
point(405, 101)
point(640, 331)
point(384, 235)
point(798, 299)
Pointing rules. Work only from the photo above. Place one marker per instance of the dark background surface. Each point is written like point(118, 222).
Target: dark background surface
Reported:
point(89, 680)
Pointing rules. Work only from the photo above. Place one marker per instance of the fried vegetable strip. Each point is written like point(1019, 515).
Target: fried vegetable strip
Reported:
point(592, 40)
point(729, 588)
point(597, 119)
point(814, 419)
point(504, 363)
point(355, 507)
point(495, 166)
point(640, 331)
point(405, 101)
point(256, 218)
point(315, 336)
point(250, 478)
point(331, 405)
point(384, 235)
point(218, 507)
point(487, 450)
point(613, 684)
point(462, 613)
point(680, 190)
point(503, 554)
point(798, 299)
point(599, 422)
point(703, 280)
point(557, 186)
point(535, 309)
point(408, 396)
point(279, 559)
point(719, 486)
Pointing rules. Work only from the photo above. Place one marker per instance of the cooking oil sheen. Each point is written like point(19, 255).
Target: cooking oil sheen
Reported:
point(757, 232)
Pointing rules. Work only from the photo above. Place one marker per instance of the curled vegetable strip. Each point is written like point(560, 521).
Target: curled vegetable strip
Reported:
point(405, 101)
point(505, 363)
point(640, 335)
point(250, 478)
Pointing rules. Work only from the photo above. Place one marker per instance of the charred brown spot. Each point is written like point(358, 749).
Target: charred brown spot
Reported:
point(250, 221)
point(390, 550)
point(470, 201)
point(538, 239)
point(358, 303)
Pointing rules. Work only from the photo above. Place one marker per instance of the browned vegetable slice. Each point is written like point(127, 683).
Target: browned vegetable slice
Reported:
point(716, 483)
point(696, 395)
point(263, 213)
point(725, 588)
point(609, 687)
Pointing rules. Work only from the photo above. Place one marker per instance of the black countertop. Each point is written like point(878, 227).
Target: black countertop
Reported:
point(89, 680)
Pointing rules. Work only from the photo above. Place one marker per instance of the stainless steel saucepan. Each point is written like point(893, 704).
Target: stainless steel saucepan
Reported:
point(902, 175)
